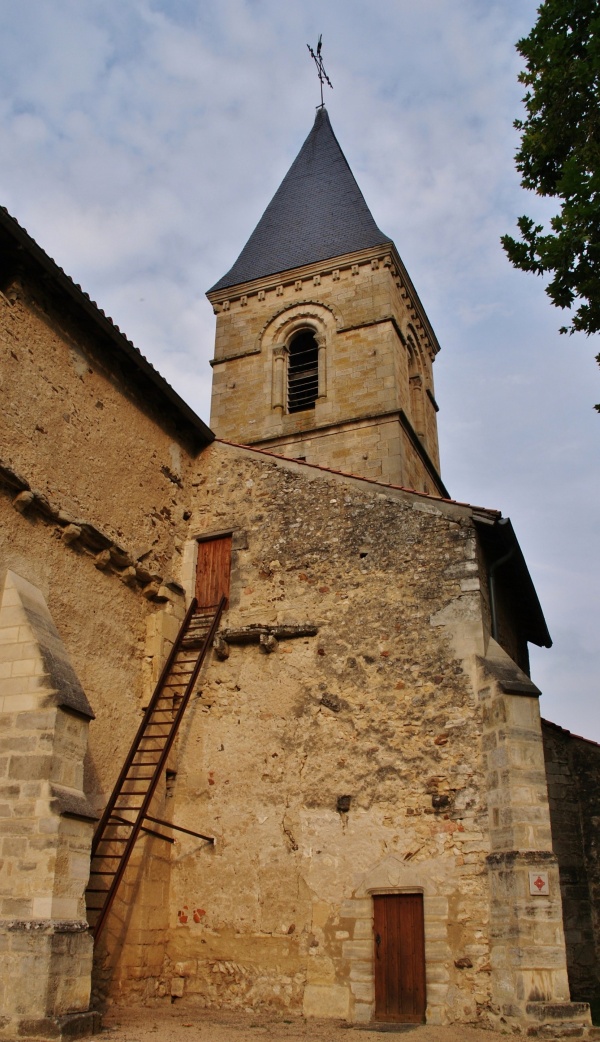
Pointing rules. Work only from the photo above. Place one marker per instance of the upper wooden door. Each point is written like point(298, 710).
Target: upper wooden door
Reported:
point(399, 937)
point(213, 571)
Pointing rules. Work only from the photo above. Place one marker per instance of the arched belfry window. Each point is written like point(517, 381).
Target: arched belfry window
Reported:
point(303, 371)
point(415, 378)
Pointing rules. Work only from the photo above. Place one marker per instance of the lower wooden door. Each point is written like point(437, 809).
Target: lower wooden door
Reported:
point(399, 937)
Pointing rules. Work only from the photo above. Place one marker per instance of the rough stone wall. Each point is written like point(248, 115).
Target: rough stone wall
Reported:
point(360, 316)
point(129, 956)
point(102, 623)
point(375, 713)
point(93, 497)
point(97, 457)
point(573, 774)
point(75, 434)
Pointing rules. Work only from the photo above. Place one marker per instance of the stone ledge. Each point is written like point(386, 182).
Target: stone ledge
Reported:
point(252, 634)
point(44, 925)
point(83, 536)
point(559, 1020)
point(72, 1025)
point(558, 1010)
point(503, 858)
point(72, 804)
point(509, 676)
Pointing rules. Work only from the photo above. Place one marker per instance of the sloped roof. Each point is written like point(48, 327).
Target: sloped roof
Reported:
point(318, 212)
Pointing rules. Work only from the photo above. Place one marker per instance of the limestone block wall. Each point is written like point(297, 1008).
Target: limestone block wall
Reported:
point(378, 449)
point(527, 942)
point(337, 764)
point(573, 776)
point(45, 823)
point(362, 316)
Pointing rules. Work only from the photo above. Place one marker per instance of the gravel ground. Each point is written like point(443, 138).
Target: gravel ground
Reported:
point(179, 1024)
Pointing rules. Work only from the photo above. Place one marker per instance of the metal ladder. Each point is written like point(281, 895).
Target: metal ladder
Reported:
point(126, 813)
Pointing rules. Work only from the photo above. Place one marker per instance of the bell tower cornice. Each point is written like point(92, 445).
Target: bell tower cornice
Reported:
point(305, 282)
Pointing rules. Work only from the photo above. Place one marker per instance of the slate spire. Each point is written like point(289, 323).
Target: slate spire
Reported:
point(318, 212)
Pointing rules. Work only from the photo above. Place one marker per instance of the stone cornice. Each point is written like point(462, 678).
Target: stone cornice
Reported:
point(386, 252)
point(108, 556)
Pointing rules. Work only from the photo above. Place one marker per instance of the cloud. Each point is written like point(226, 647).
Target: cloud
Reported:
point(142, 141)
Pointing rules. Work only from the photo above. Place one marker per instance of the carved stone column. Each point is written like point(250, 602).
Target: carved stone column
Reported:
point(322, 362)
point(280, 353)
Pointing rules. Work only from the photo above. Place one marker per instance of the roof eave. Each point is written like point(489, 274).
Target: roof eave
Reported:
point(86, 305)
point(501, 534)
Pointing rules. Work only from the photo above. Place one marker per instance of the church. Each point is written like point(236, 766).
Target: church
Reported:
point(270, 739)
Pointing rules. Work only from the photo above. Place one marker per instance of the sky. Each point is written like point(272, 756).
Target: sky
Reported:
point(142, 139)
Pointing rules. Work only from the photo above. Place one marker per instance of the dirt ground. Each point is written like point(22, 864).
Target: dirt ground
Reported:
point(179, 1024)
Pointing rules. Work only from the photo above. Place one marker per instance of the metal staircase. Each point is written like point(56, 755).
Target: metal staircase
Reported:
point(127, 811)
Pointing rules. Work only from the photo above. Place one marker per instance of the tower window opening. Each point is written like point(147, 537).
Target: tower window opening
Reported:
point(303, 372)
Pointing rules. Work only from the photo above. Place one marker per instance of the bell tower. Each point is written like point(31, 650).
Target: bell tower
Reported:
point(323, 350)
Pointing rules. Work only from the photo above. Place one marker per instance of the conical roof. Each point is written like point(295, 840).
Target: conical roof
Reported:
point(318, 212)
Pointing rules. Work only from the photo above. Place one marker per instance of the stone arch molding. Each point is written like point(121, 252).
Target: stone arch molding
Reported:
point(280, 326)
point(276, 335)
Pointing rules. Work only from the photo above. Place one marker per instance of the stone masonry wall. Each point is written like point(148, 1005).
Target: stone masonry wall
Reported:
point(71, 429)
point(337, 765)
point(45, 823)
point(360, 314)
point(377, 449)
point(96, 458)
point(573, 773)
point(93, 498)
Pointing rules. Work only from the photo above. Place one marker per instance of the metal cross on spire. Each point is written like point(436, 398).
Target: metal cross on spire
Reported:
point(323, 77)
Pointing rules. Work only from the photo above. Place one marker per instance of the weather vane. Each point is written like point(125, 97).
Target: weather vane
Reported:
point(323, 77)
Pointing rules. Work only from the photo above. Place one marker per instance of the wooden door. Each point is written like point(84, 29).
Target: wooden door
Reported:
point(213, 570)
point(399, 958)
